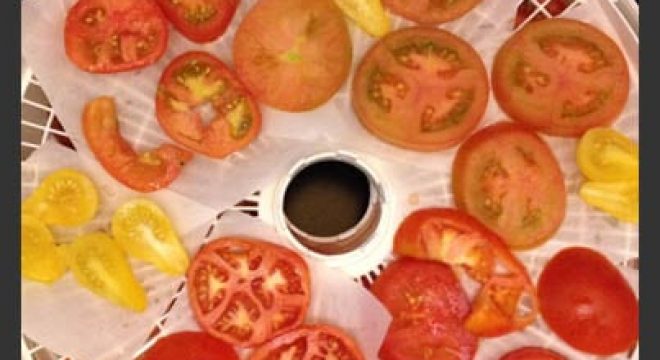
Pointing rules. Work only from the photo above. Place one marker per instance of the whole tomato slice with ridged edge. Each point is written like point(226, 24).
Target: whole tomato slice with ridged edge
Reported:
point(431, 12)
point(200, 20)
point(246, 291)
point(190, 345)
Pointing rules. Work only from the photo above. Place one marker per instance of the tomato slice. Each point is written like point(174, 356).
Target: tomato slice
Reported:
point(368, 14)
point(431, 12)
point(420, 88)
point(66, 197)
point(508, 178)
point(293, 55)
point(40, 260)
point(145, 232)
point(99, 265)
point(561, 77)
point(193, 84)
point(619, 199)
point(456, 238)
point(588, 303)
point(532, 353)
point(104, 36)
point(246, 291)
point(146, 172)
point(318, 342)
point(189, 345)
point(605, 154)
point(200, 20)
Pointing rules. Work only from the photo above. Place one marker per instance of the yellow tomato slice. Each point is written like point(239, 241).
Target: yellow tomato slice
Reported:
point(619, 199)
point(145, 232)
point(604, 154)
point(369, 15)
point(39, 255)
point(99, 265)
point(66, 197)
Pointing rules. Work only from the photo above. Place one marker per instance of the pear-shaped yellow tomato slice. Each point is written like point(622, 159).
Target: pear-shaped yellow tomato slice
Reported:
point(604, 154)
point(39, 256)
point(619, 199)
point(98, 264)
point(65, 197)
point(369, 15)
point(145, 232)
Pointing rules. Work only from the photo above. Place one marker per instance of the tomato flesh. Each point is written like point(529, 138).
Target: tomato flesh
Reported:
point(431, 12)
point(189, 345)
point(200, 20)
point(368, 14)
point(619, 199)
point(532, 353)
point(604, 154)
point(40, 260)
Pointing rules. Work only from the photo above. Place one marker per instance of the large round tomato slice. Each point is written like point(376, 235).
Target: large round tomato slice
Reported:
point(421, 88)
point(532, 353)
point(431, 12)
point(246, 291)
point(508, 178)
point(103, 36)
point(561, 77)
point(189, 345)
point(202, 105)
point(318, 342)
point(588, 303)
point(293, 54)
point(200, 20)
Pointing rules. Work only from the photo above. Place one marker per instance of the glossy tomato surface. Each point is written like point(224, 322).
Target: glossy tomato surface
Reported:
point(507, 177)
point(203, 106)
point(200, 20)
point(189, 345)
point(293, 55)
point(587, 302)
point(561, 77)
point(532, 353)
point(247, 291)
point(431, 12)
point(420, 88)
point(103, 36)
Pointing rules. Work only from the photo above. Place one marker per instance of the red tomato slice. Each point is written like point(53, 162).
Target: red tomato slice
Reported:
point(588, 303)
point(194, 84)
point(532, 353)
point(562, 77)
point(200, 20)
point(431, 12)
point(293, 55)
point(317, 342)
point(508, 178)
point(190, 346)
point(245, 291)
point(104, 36)
point(421, 88)
point(146, 172)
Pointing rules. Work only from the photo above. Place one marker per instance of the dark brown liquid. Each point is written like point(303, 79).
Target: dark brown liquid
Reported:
point(327, 198)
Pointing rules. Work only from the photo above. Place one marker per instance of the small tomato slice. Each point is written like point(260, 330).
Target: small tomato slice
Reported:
point(318, 342)
point(145, 232)
point(104, 36)
point(99, 265)
point(146, 172)
point(619, 199)
point(587, 302)
point(431, 12)
point(200, 20)
point(190, 345)
point(40, 260)
point(604, 154)
point(532, 353)
point(65, 197)
point(246, 291)
point(368, 15)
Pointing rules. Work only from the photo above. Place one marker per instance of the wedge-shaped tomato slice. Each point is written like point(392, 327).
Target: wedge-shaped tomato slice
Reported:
point(619, 199)
point(604, 154)
point(246, 291)
point(145, 232)
point(40, 260)
point(189, 345)
point(456, 238)
point(318, 342)
point(99, 265)
point(532, 353)
point(65, 197)
point(200, 20)
point(368, 14)
point(203, 106)
point(146, 172)
point(431, 12)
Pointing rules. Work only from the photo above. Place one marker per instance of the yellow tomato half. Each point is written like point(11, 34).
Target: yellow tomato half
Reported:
point(604, 154)
point(619, 199)
point(39, 255)
point(369, 15)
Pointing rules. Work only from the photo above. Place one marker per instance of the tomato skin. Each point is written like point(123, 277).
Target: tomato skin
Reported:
point(532, 353)
point(431, 12)
point(587, 302)
point(204, 31)
point(190, 345)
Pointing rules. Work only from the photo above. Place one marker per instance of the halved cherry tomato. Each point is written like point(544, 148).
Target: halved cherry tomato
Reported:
point(200, 20)
point(103, 36)
point(189, 345)
point(40, 260)
point(193, 81)
point(605, 154)
point(293, 55)
point(146, 172)
point(420, 88)
point(508, 178)
point(586, 301)
point(456, 238)
point(561, 76)
point(99, 264)
point(431, 12)
point(368, 14)
point(246, 291)
point(532, 353)
point(145, 232)
point(318, 342)
point(65, 197)
point(619, 199)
